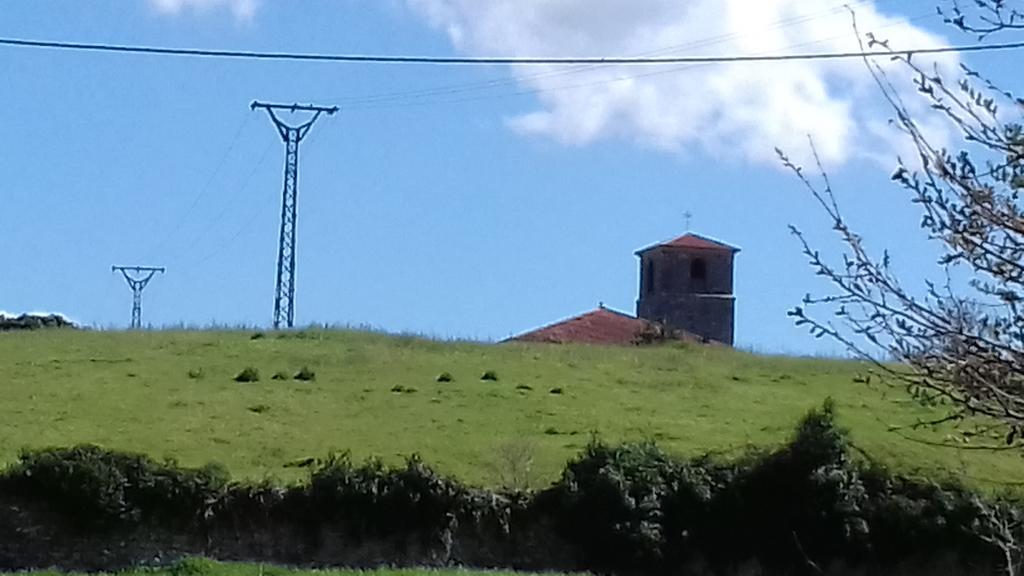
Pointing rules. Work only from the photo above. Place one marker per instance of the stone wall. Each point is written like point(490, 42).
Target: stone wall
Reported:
point(706, 315)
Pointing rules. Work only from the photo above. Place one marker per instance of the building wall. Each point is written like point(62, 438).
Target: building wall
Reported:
point(670, 293)
point(706, 315)
point(671, 268)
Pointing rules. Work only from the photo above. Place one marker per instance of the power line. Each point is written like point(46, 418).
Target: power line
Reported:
point(258, 209)
point(417, 100)
point(345, 101)
point(240, 187)
point(206, 186)
point(495, 60)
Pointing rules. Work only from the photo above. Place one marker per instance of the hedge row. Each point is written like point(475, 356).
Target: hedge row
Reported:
point(629, 508)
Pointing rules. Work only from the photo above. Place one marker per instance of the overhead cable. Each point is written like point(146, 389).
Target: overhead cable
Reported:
point(495, 60)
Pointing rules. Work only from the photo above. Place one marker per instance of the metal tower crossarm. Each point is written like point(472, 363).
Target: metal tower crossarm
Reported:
point(284, 295)
point(137, 278)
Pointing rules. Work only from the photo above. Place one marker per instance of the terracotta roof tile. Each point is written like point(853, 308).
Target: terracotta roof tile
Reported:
point(694, 241)
point(600, 326)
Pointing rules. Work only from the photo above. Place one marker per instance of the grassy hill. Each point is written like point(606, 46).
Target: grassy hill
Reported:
point(172, 394)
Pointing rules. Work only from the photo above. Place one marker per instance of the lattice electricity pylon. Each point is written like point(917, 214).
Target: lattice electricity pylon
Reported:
point(284, 294)
point(137, 281)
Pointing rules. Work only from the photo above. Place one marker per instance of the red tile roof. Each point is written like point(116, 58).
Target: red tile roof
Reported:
point(601, 326)
point(693, 241)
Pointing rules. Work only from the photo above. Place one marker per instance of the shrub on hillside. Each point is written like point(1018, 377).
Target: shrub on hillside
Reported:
point(373, 500)
point(802, 503)
point(610, 502)
point(305, 374)
point(248, 374)
point(94, 487)
point(914, 517)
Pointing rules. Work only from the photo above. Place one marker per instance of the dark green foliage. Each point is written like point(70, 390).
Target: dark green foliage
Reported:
point(305, 374)
point(259, 408)
point(248, 374)
point(632, 506)
point(914, 517)
point(556, 391)
point(280, 375)
point(611, 503)
point(257, 336)
point(804, 502)
point(629, 508)
point(489, 375)
point(444, 377)
point(98, 488)
point(377, 501)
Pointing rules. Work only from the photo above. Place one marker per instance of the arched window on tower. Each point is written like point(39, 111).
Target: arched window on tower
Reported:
point(649, 281)
point(698, 269)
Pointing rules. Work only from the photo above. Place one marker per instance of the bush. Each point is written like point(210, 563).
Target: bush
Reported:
point(489, 375)
point(305, 374)
point(374, 500)
point(610, 504)
point(802, 502)
point(627, 509)
point(280, 375)
point(248, 374)
point(911, 517)
point(97, 488)
point(444, 377)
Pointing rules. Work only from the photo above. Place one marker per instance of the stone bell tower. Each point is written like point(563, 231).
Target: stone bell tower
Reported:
point(686, 283)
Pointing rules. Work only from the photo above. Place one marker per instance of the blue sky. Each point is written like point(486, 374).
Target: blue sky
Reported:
point(451, 201)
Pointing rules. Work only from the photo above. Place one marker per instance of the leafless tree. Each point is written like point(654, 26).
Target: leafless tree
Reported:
point(958, 342)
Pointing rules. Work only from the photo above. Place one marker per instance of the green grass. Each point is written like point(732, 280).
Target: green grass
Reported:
point(173, 394)
point(204, 567)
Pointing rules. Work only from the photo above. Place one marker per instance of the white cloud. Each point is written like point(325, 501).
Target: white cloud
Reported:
point(734, 110)
point(242, 9)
